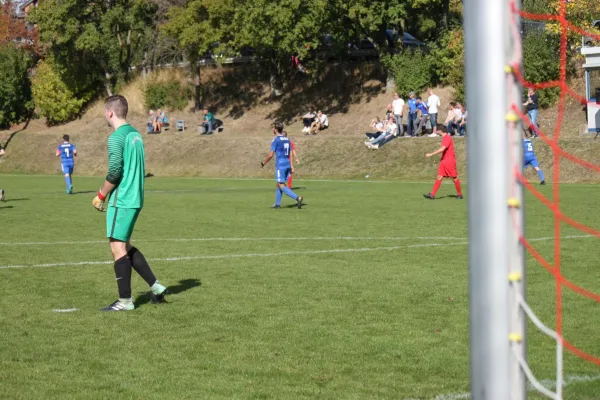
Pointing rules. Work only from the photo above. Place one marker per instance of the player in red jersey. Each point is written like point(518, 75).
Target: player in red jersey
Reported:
point(447, 168)
point(293, 155)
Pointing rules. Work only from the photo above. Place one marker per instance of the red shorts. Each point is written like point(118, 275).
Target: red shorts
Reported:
point(447, 169)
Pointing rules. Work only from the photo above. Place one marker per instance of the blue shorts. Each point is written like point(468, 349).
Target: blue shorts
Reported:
point(67, 169)
point(282, 174)
point(533, 162)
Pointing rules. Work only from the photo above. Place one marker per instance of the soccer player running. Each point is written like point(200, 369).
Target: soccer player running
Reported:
point(447, 168)
point(293, 156)
point(529, 159)
point(67, 151)
point(124, 189)
point(280, 148)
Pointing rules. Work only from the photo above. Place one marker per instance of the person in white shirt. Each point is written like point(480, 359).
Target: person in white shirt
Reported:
point(433, 104)
point(392, 130)
point(379, 129)
point(398, 108)
point(321, 123)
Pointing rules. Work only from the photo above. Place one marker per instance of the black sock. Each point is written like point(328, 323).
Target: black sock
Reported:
point(123, 274)
point(141, 265)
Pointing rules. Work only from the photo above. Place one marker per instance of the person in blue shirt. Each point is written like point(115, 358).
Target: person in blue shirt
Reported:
point(280, 149)
point(422, 108)
point(67, 152)
point(412, 113)
point(529, 159)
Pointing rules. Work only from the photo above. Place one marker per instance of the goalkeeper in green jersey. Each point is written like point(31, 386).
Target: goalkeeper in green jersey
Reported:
point(123, 191)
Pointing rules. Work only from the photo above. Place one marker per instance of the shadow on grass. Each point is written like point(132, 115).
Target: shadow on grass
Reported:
point(11, 200)
point(182, 286)
point(85, 192)
point(6, 207)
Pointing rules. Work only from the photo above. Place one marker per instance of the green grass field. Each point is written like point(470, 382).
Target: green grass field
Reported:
point(361, 294)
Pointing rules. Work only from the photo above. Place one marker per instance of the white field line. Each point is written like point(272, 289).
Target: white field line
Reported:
point(252, 255)
point(239, 239)
point(65, 310)
point(548, 383)
point(247, 255)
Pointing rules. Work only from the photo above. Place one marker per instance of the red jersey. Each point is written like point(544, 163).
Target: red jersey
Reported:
point(448, 154)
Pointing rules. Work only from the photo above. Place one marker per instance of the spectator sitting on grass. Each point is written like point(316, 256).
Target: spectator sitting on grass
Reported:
point(321, 123)
point(153, 124)
point(389, 113)
point(163, 120)
point(377, 125)
point(461, 124)
point(208, 122)
point(308, 119)
point(449, 122)
point(391, 130)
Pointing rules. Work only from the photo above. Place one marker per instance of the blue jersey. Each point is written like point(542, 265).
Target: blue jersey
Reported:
point(412, 105)
point(528, 152)
point(66, 151)
point(423, 108)
point(282, 147)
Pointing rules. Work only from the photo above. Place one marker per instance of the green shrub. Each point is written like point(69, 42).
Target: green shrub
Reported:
point(448, 58)
point(542, 64)
point(172, 94)
point(57, 102)
point(411, 70)
point(15, 87)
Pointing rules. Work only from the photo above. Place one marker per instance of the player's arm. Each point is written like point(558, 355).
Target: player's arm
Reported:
point(295, 156)
point(438, 151)
point(115, 171)
point(269, 156)
point(57, 153)
point(74, 151)
point(1, 151)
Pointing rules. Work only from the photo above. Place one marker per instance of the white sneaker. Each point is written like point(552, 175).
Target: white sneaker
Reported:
point(374, 146)
point(433, 135)
point(367, 143)
point(371, 139)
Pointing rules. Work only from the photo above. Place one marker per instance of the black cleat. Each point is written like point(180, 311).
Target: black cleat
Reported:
point(158, 298)
point(275, 206)
point(299, 201)
point(429, 196)
point(118, 306)
point(542, 182)
point(459, 197)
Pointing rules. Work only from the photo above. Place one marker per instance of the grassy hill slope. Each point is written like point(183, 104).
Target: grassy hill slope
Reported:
point(350, 97)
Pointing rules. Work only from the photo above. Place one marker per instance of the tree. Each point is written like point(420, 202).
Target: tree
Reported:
point(14, 30)
point(15, 88)
point(107, 37)
point(199, 27)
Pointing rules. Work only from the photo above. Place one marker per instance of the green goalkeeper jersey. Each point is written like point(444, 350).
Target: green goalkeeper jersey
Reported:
point(126, 168)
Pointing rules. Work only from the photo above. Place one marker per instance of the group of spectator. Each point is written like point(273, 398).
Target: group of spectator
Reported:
point(156, 121)
point(420, 115)
point(314, 122)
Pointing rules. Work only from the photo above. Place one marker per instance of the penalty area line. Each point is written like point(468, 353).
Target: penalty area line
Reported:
point(230, 256)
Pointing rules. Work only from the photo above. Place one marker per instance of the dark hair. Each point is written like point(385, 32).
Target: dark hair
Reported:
point(443, 128)
point(419, 98)
point(118, 105)
point(453, 103)
point(66, 138)
point(278, 126)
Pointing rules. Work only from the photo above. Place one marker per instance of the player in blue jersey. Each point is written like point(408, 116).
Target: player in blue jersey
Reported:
point(529, 159)
point(67, 152)
point(281, 148)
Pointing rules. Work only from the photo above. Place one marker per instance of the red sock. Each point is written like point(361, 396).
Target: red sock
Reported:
point(457, 186)
point(436, 186)
point(290, 182)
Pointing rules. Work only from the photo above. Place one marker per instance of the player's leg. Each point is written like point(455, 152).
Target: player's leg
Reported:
point(540, 174)
point(278, 195)
point(290, 179)
point(289, 191)
point(459, 194)
point(436, 187)
point(141, 266)
point(2, 195)
point(119, 226)
point(67, 175)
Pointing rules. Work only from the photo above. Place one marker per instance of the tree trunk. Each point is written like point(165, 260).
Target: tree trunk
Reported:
point(274, 80)
point(198, 93)
point(145, 65)
point(107, 83)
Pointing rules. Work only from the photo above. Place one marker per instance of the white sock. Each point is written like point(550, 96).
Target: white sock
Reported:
point(157, 288)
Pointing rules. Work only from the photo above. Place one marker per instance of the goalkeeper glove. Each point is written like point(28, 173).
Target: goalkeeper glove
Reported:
point(98, 201)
